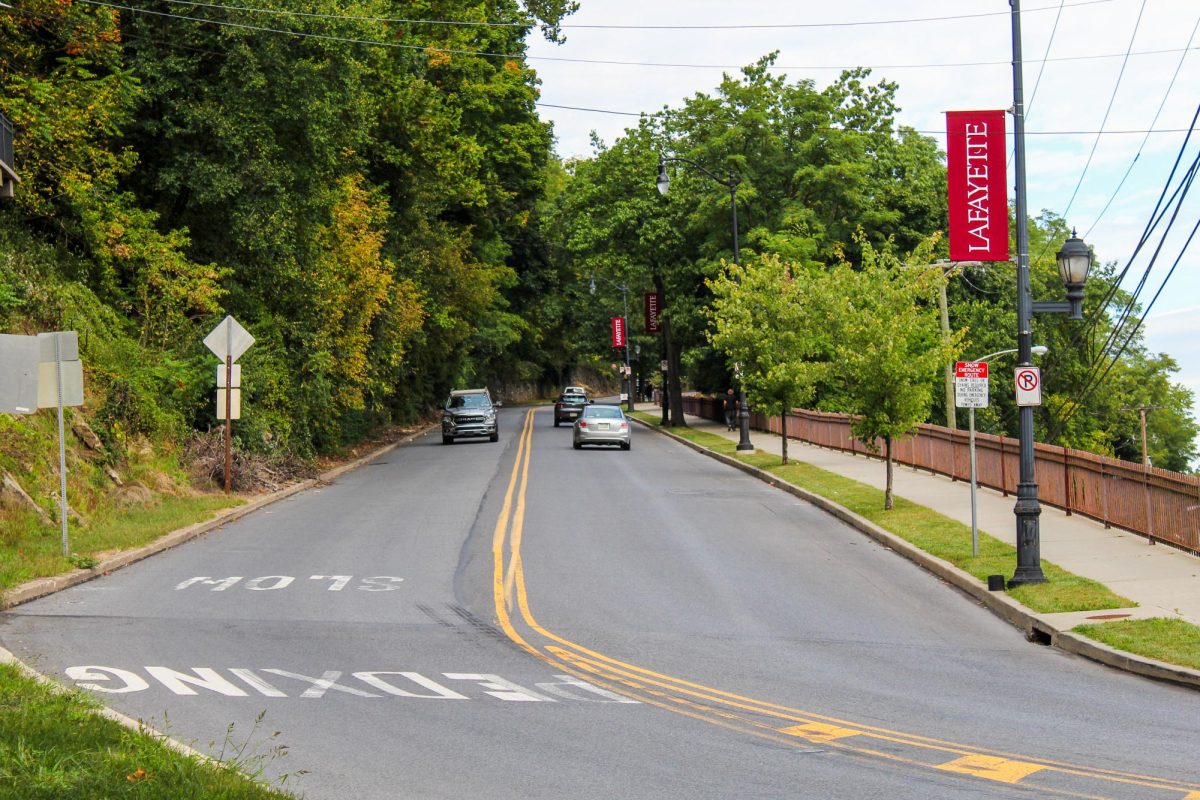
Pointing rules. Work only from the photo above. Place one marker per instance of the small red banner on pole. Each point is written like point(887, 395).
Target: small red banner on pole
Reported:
point(618, 331)
point(976, 185)
point(652, 323)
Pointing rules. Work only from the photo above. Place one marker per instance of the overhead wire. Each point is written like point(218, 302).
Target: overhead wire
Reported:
point(1108, 354)
point(1142, 146)
point(1111, 100)
point(585, 26)
point(564, 59)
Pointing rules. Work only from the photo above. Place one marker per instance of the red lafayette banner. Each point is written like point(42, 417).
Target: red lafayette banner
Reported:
point(976, 185)
point(652, 323)
point(618, 331)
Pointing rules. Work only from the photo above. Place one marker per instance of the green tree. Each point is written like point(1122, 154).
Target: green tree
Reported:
point(886, 344)
point(764, 322)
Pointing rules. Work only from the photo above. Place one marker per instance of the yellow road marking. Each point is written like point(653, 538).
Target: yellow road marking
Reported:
point(575, 661)
point(994, 769)
point(819, 732)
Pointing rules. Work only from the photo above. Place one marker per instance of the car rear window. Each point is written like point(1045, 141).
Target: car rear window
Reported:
point(604, 412)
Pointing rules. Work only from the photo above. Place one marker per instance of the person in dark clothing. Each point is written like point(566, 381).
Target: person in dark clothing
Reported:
point(731, 408)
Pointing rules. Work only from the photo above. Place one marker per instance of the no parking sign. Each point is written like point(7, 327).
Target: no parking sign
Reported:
point(1029, 386)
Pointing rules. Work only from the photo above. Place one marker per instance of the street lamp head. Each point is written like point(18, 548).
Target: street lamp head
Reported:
point(1074, 262)
point(1039, 349)
point(664, 180)
point(592, 285)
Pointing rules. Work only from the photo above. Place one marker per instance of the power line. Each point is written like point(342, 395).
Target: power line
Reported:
point(568, 60)
point(1112, 99)
point(586, 26)
point(1142, 146)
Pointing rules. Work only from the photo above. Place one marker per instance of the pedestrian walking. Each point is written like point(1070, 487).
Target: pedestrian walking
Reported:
point(731, 408)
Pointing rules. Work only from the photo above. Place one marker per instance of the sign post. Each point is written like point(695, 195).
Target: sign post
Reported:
point(971, 392)
point(228, 341)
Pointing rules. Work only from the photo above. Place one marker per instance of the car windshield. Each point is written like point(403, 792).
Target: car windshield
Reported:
point(604, 412)
point(467, 401)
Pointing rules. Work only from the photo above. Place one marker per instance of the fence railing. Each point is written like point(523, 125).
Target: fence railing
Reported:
point(1152, 502)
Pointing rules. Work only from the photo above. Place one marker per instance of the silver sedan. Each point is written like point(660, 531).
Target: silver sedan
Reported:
point(602, 425)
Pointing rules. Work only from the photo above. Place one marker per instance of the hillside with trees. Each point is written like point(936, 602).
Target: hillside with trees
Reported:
point(372, 193)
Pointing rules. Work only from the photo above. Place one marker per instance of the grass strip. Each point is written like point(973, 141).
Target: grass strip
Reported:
point(53, 745)
point(33, 550)
point(934, 533)
point(1170, 640)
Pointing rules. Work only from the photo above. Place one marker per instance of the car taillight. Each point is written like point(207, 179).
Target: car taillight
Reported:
point(624, 426)
point(582, 424)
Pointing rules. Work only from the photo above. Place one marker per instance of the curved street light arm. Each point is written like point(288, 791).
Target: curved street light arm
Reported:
point(730, 182)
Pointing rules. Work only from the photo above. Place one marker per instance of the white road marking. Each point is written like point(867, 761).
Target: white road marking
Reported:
point(505, 690)
point(327, 681)
point(186, 682)
point(133, 683)
point(372, 679)
point(204, 677)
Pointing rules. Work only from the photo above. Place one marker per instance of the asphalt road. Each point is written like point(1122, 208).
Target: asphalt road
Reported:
point(522, 620)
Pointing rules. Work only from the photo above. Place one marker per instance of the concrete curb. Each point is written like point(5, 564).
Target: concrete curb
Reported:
point(1036, 628)
point(44, 586)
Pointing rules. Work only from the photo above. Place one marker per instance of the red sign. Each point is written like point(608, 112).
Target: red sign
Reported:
point(652, 323)
point(970, 369)
point(618, 331)
point(976, 185)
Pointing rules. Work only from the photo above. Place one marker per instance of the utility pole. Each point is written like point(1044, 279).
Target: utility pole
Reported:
point(1142, 410)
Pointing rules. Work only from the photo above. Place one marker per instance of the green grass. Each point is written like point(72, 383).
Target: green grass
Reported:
point(53, 745)
point(932, 532)
point(1170, 640)
point(29, 549)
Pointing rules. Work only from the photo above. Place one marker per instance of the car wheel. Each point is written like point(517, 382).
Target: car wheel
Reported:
point(577, 445)
point(495, 437)
point(626, 445)
point(447, 439)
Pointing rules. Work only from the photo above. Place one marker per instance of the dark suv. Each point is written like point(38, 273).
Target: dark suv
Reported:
point(569, 406)
point(469, 412)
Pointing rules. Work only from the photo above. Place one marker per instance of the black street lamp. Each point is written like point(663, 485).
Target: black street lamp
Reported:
point(731, 182)
point(625, 304)
point(1074, 260)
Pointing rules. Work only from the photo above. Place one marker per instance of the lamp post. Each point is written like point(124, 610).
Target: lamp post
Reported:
point(625, 306)
point(731, 182)
point(1074, 260)
point(1037, 350)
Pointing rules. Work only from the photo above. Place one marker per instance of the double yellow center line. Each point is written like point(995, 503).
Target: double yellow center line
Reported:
point(762, 719)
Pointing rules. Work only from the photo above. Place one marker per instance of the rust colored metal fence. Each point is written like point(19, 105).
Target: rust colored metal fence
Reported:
point(1152, 502)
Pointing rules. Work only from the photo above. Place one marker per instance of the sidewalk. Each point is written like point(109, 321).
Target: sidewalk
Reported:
point(1163, 581)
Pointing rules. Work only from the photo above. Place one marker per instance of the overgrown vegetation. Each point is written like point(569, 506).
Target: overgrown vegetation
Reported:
point(54, 745)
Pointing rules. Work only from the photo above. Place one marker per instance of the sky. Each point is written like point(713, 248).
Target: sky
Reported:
point(1097, 75)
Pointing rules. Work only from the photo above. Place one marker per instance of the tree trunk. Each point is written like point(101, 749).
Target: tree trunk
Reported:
point(887, 493)
point(783, 429)
point(675, 390)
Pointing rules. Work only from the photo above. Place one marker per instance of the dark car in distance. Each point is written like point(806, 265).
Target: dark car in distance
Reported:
point(569, 406)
